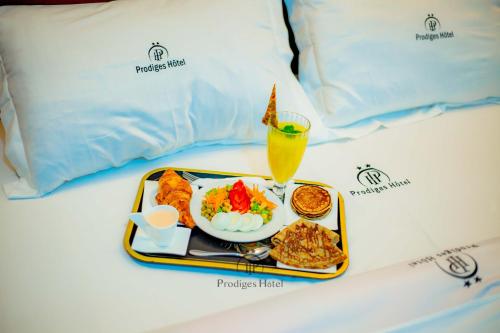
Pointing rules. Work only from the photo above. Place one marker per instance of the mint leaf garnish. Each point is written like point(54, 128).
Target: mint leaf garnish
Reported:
point(290, 129)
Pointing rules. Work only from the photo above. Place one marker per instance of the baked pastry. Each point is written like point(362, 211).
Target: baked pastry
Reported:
point(305, 244)
point(175, 191)
point(311, 201)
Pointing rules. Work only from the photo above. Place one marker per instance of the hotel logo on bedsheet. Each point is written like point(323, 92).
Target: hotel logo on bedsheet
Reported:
point(433, 30)
point(454, 262)
point(375, 181)
point(159, 57)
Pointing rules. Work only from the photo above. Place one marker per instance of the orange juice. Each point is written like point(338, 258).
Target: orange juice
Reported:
point(285, 149)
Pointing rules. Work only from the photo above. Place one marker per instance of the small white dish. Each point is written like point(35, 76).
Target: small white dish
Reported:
point(329, 221)
point(178, 246)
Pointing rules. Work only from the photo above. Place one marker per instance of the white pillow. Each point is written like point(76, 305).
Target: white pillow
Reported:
point(362, 59)
point(87, 87)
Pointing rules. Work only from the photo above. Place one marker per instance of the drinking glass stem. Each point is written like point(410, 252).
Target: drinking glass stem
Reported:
point(279, 190)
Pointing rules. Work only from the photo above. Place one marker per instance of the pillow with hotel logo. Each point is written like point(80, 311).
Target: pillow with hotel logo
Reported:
point(378, 62)
point(87, 87)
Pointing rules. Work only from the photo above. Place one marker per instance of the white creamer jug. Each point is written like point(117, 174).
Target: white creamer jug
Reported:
point(159, 223)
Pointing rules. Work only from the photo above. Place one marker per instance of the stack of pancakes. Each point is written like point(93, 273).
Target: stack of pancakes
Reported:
point(311, 201)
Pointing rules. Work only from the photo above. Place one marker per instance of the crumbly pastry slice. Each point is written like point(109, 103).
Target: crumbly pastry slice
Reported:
point(305, 244)
point(311, 201)
point(175, 191)
point(271, 116)
point(300, 226)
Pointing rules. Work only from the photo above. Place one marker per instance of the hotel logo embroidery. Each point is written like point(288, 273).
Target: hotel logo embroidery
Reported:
point(249, 267)
point(460, 265)
point(432, 26)
point(454, 262)
point(370, 176)
point(375, 181)
point(156, 52)
point(160, 60)
point(432, 23)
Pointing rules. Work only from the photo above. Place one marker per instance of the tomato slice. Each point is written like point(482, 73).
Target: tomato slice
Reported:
point(240, 201)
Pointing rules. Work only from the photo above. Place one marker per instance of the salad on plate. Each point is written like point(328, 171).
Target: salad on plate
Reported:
point(237, 207)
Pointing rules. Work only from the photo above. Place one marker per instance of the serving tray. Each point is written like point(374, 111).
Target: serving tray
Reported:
point(201, 241)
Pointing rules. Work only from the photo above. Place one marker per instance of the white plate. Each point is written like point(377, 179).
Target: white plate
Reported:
point(263, 232)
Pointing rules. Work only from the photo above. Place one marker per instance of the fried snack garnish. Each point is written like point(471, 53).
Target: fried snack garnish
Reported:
point(270, 115)
point(305, 244)
point(175, 191)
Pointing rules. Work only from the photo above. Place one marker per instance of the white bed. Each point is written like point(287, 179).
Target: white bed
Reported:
point(63, 267)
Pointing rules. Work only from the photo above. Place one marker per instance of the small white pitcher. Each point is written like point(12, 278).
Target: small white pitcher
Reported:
point(161, 235)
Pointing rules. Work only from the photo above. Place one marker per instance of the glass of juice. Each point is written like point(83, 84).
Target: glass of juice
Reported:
point(285, 147)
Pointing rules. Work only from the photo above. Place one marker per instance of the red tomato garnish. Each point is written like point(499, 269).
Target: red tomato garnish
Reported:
point(240, 201)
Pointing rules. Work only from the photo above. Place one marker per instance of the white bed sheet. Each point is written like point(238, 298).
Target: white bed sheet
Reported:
point(373, 302)
point(63, 267)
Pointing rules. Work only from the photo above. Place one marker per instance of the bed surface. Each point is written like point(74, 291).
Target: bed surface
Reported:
point(64, 269)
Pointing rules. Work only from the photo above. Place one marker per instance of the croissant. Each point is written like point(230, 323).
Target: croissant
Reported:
point(175, 191)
